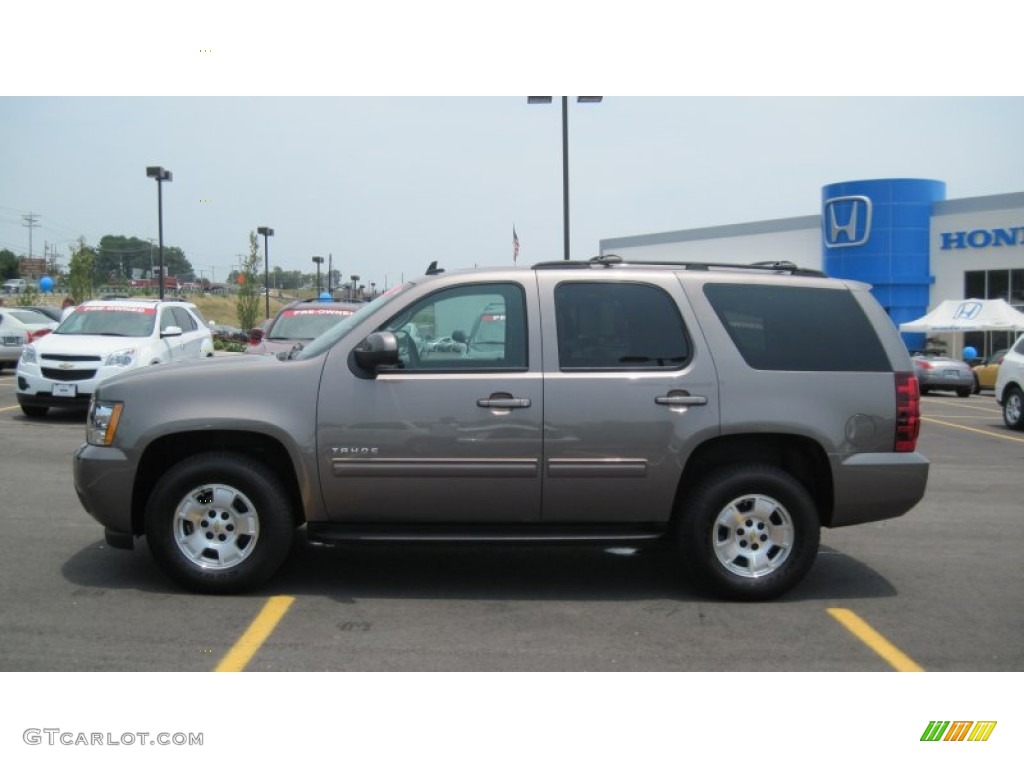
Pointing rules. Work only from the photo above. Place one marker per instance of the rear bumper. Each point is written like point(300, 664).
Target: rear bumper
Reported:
point(877, 486)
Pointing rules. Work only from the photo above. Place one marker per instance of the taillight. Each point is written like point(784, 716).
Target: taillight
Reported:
point(908, 413)
point(33, 335)
point(924, 366)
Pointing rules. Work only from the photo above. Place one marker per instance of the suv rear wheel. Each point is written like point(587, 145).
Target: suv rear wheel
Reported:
point(219, 522)
point(1013, 408)
point(749, 532)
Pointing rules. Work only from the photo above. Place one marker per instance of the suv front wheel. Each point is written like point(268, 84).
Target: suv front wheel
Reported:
point(219, 523)
point(749, 532)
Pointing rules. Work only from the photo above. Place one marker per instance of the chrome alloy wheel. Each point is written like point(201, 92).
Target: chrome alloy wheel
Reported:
point(216, 526)
point(1013, 408)
point(753, 535)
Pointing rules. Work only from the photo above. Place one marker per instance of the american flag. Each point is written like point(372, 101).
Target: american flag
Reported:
point(515, 244)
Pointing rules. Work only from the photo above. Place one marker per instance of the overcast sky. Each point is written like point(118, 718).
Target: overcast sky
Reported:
point(386, 184)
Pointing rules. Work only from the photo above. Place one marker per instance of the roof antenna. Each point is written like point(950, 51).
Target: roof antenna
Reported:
point(433, 269)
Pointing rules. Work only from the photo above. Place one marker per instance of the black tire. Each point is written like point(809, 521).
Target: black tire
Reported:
point(963, 392)
point(235, 543)
point(772, 516)
point(35, 411)
point(1013, 408)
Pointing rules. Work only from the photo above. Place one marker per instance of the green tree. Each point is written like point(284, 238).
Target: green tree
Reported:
point(8, 265)
point(118, 256)
point(82, 272)
point(248, 291)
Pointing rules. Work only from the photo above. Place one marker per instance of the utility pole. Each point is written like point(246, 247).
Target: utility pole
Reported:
point(31, 220)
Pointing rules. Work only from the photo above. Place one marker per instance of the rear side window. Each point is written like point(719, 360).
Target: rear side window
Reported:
point(618, 326)
point(792, 328)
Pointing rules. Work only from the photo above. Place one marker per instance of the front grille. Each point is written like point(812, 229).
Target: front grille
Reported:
point(72, 358)
point(56, 374)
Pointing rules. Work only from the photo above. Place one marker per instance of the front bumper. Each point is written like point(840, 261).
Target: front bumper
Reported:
point(74, 387)
point(104, 479)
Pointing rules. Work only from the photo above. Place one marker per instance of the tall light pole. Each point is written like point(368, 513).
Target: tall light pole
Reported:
point(565, 153)
point(318, 260)
point(266, 232)
point(161, 175)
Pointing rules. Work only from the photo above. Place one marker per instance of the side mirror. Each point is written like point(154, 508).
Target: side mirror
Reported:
point(255, 335)
point(378, 350)
point(459, 336)
point(170, 330)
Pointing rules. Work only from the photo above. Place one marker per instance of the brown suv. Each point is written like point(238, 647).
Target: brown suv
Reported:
point(706, 405)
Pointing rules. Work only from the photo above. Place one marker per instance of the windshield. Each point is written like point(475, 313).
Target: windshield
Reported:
point(124, 320)
point(333, 335)
point(305, 323)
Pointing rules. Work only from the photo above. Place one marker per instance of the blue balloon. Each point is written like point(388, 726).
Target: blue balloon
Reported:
point(970, 353)
point(325, 296)
point(46, 284)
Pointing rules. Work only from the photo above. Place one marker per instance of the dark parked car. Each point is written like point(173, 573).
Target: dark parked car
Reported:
point(53, 313)
point(228, 333)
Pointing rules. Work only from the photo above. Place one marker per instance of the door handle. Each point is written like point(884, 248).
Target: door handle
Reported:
point(679, 397)
point(503, 401)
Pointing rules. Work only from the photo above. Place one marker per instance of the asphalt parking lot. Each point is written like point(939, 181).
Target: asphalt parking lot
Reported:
point(938, 589)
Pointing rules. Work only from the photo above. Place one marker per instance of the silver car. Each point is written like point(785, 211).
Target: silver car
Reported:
point(18, 327)
point(940, 373)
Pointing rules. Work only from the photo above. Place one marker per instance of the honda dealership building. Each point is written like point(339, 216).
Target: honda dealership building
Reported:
point(902, 236)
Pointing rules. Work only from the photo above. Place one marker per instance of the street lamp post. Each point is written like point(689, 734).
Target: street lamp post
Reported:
point(161, 175)
point(565, 154)
point(318, 260)
point(266, 232)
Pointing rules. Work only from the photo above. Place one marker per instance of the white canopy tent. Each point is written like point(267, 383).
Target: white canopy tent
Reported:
point(962, 316)
point(958, 316)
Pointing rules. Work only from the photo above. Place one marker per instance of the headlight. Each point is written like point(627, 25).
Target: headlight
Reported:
point(101, 424)
point(122, 358)
point(28, 354)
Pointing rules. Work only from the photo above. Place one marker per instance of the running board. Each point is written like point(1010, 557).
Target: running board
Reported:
point(334, 532)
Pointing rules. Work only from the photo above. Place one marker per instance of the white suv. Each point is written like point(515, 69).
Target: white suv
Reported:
point(101, 339)
point(1010, 386)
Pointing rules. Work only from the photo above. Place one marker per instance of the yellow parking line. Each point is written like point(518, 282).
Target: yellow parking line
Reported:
point(248, 644)
point(10, 408)
point(972, 429)
point(873, 640)
point(940, 404)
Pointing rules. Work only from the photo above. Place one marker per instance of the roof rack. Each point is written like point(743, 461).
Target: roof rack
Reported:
point(611, 260)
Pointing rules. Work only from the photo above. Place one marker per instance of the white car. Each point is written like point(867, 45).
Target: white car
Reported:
point(19, 327)
point(1010, 386)
point(101, 339)
point(17, 285)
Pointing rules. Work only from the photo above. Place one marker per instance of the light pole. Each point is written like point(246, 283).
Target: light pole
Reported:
point(565, 153)
point(266, 232)
point(161, 175)
point(318, 260)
